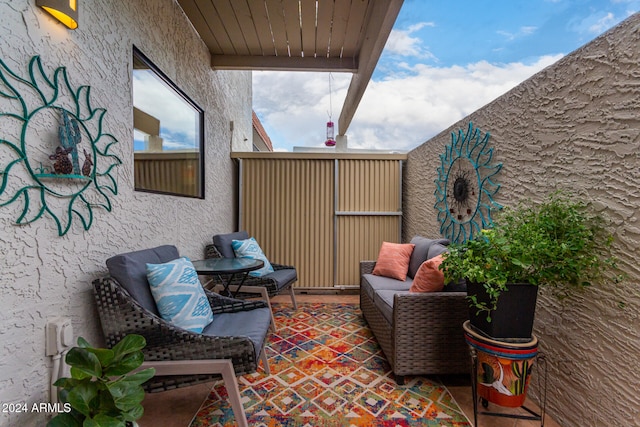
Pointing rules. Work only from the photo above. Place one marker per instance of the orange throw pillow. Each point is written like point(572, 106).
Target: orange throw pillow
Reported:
point(429, 278)
point(393, 260)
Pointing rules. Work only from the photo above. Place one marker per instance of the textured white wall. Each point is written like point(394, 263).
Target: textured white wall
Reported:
point(43, 275)
point(574, 125)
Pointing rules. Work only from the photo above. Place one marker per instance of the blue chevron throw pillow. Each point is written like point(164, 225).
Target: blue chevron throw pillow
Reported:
point(250, 248)
point(179, 295)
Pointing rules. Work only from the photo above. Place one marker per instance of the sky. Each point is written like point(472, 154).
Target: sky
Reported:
point(178, 125)
point(442, 61)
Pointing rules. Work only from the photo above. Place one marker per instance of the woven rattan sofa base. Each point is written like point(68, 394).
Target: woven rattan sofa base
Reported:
point(121, 315)
point(426, 336)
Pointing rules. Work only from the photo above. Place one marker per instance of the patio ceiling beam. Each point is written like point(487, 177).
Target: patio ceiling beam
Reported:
point(297, 35)
point(383, 16)
point(283, 63)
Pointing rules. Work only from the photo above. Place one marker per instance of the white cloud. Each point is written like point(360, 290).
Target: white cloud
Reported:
point(295, 106)
point(599, 21)
point(522, 32)
point(177, 118)
point(400, 42)
point(399, 112)
point(603, 24)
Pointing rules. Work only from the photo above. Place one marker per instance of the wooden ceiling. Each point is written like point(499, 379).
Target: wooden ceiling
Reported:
point(304, 35)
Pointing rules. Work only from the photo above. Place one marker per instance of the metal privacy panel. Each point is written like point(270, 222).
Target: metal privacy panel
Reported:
point(369, 212)
point(359, 238)
point(287, 205)
point(321, 214)
point(367, 185)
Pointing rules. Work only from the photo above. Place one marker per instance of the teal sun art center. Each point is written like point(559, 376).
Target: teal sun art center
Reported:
point(464, 187)
point(56, 160)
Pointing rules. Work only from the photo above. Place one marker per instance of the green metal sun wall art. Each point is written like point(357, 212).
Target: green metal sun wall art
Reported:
point(47, 130)
point(464, 189)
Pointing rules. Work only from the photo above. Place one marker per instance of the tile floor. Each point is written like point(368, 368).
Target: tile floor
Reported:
point(176, 408)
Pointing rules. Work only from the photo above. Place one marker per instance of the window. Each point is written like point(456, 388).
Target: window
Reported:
point(168, 135)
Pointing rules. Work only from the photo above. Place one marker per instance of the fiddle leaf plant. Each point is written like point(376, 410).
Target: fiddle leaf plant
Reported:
point(102, 391)
point(557, 243)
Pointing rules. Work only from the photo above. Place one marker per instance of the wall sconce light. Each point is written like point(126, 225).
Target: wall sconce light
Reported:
point(65, 11)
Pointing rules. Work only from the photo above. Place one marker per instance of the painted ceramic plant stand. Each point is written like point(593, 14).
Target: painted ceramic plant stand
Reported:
point(501, 372)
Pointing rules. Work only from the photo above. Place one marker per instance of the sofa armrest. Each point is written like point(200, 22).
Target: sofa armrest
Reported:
point(427, 333)
point(277, 266)
point(417, 314)
point(415, 303)
point(366, 267)
point(223, 304)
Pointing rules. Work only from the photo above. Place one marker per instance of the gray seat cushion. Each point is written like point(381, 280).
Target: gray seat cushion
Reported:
point(421, 252)
point(372, 283)
point(253, 324)
point(222, 242)
point(130, 270)
point(283, 277)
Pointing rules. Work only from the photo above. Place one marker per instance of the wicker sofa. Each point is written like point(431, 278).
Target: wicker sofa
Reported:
point(420, 333)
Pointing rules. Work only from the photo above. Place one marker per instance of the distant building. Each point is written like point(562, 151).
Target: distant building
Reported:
point(261, 141)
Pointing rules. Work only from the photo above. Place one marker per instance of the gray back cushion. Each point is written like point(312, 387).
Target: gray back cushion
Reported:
point(130, 270)
point(421, 252)
point(435, 250)
point(222, 242)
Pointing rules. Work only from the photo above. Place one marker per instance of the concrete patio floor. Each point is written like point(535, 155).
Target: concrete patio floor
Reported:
point(177, 408)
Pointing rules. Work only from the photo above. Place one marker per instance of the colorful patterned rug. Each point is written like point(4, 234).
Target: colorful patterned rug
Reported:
point(328, 370)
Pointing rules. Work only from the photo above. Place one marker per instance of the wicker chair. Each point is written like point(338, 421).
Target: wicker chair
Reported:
point(181, 357)
point(281, 280)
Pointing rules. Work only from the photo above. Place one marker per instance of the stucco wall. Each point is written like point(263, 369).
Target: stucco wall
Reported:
point(44, 275)
point(574, 125)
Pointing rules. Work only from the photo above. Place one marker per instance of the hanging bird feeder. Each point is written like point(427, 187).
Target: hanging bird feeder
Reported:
point(330, 142)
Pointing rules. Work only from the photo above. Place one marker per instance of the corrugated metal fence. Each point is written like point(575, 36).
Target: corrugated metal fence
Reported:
point(167, 171)
point(322, 213)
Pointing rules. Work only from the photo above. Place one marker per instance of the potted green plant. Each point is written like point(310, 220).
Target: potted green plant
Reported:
point(557, 243)
point(102, 391)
